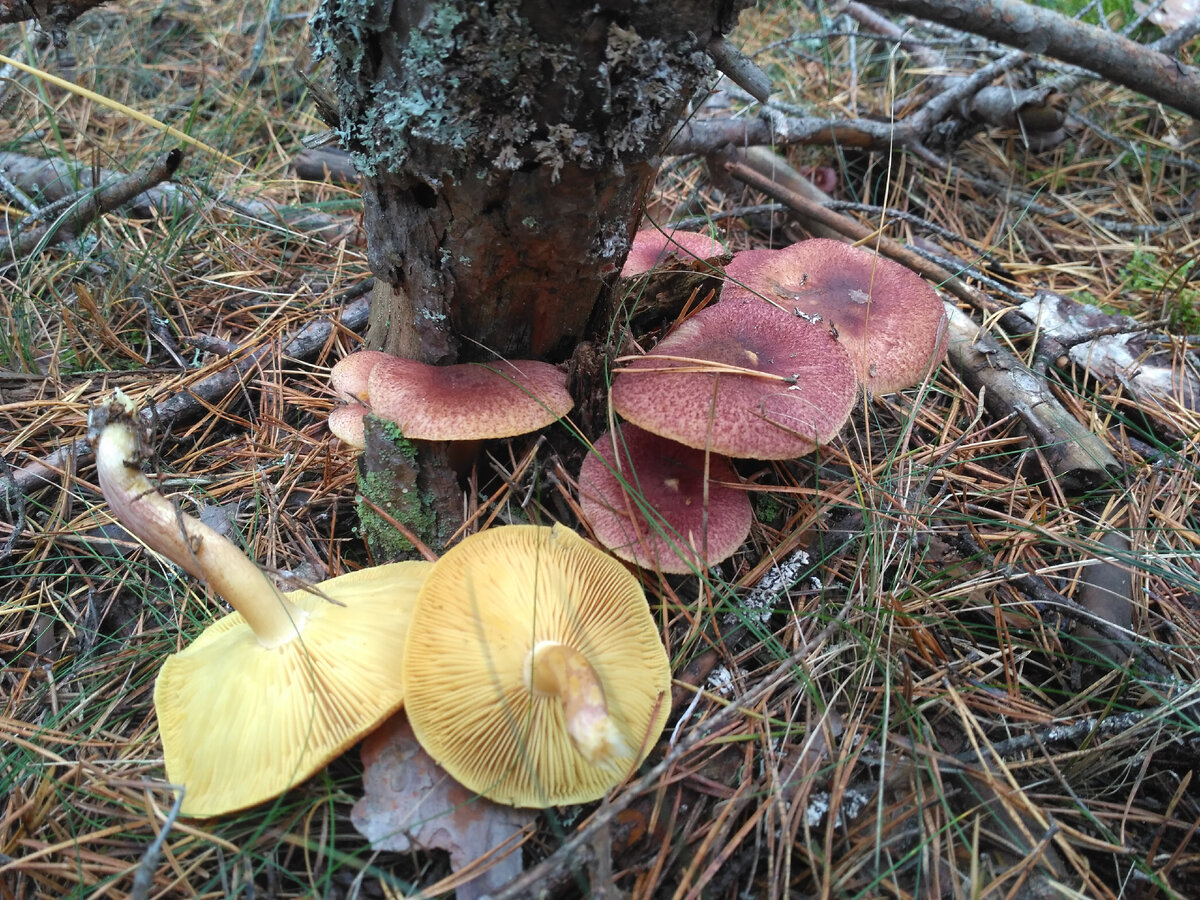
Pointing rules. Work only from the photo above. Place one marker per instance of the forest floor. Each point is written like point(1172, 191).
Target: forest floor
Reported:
point(966, 675)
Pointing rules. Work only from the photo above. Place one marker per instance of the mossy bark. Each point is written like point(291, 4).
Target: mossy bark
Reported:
point(411, 482)
point(506, 147)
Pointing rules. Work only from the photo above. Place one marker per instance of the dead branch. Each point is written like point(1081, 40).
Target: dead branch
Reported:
point(815, 214)
point(1042, 31)
point(779, 171)
point(710, 135)
point(739, 68)
point(326, 163)
point(1078, 458)
point(52, 180)
point(922, 54)
point(56, 15)
point(84, 207)
point(184, 406)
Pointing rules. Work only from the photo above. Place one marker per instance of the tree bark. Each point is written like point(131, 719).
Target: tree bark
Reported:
point(506, 148)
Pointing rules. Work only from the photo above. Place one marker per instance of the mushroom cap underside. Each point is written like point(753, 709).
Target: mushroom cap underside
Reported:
point(240, 724)
point(490, 600)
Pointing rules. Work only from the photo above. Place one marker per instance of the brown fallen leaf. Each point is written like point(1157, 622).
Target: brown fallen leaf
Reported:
point(409, 801)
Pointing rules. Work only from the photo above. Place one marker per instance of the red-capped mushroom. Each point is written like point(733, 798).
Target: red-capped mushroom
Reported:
point(468, 401)
point(741, 379)
point(890, 320)
point(653, 248)
point(661, 505)
point(346, 424)
point(349, 375)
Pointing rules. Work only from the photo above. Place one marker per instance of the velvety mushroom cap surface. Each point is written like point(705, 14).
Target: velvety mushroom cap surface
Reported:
point(644, 497)
point(346, 424)
point(241, 723)
point(350, 374)
point(651, 248)
point(890, 320)
point(468, 401)
point(489, 603)
point(741, 379)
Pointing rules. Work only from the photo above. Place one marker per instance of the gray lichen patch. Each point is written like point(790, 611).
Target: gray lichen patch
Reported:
point(467, 82)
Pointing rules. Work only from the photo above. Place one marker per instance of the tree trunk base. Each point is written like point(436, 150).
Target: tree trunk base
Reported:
point(410, 482)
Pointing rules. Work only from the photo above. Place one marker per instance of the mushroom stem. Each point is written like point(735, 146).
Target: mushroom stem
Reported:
point(554, 669)
point(186, 541)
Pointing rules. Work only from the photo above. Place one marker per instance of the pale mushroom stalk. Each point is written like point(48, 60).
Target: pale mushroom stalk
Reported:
point(556, 670)
point(183, 539)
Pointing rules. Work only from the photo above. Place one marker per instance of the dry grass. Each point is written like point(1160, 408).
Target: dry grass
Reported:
point(916, 715)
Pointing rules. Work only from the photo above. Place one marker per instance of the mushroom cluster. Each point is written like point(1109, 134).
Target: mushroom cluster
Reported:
point(527, 658)
point(770, 371)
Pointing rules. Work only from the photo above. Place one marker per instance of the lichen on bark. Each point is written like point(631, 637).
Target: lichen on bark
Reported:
point(492, 89)
point(472, 120)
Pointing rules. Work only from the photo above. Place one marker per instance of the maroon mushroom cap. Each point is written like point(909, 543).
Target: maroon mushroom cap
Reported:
point(644, 498)
point(350, 374)
point(891, 322)
point(742, 379)
point(346, 424)
point(652, 247)
point(468, 401)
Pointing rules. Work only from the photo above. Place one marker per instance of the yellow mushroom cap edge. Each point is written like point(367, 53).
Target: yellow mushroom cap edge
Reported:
point(487, 603)
point(240, 724)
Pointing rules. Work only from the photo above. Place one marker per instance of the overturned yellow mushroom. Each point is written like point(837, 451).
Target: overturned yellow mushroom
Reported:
point(534, 671)
point(270, 693)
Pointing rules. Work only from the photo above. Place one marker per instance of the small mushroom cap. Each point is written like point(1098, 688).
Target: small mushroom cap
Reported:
point(346, 424)
point(650, 507)
point(468, 401)
point(891, 322)
point(489, 601)
point(240, 724)
point(350, 374)
point(652, 247)
point(741, 379)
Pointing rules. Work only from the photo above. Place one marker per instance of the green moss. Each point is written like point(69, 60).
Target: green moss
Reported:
point(766, 508)
point(391, 485)
point(1171, 286)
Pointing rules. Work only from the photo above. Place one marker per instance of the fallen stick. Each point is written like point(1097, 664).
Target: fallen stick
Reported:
point(1077, 457)
point(52, 180)
point(829, 221)
point(84, 207)
point(185, 405)
point(1045, 32)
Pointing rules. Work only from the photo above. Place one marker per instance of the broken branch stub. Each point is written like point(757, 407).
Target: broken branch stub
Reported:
point(1079, 459)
